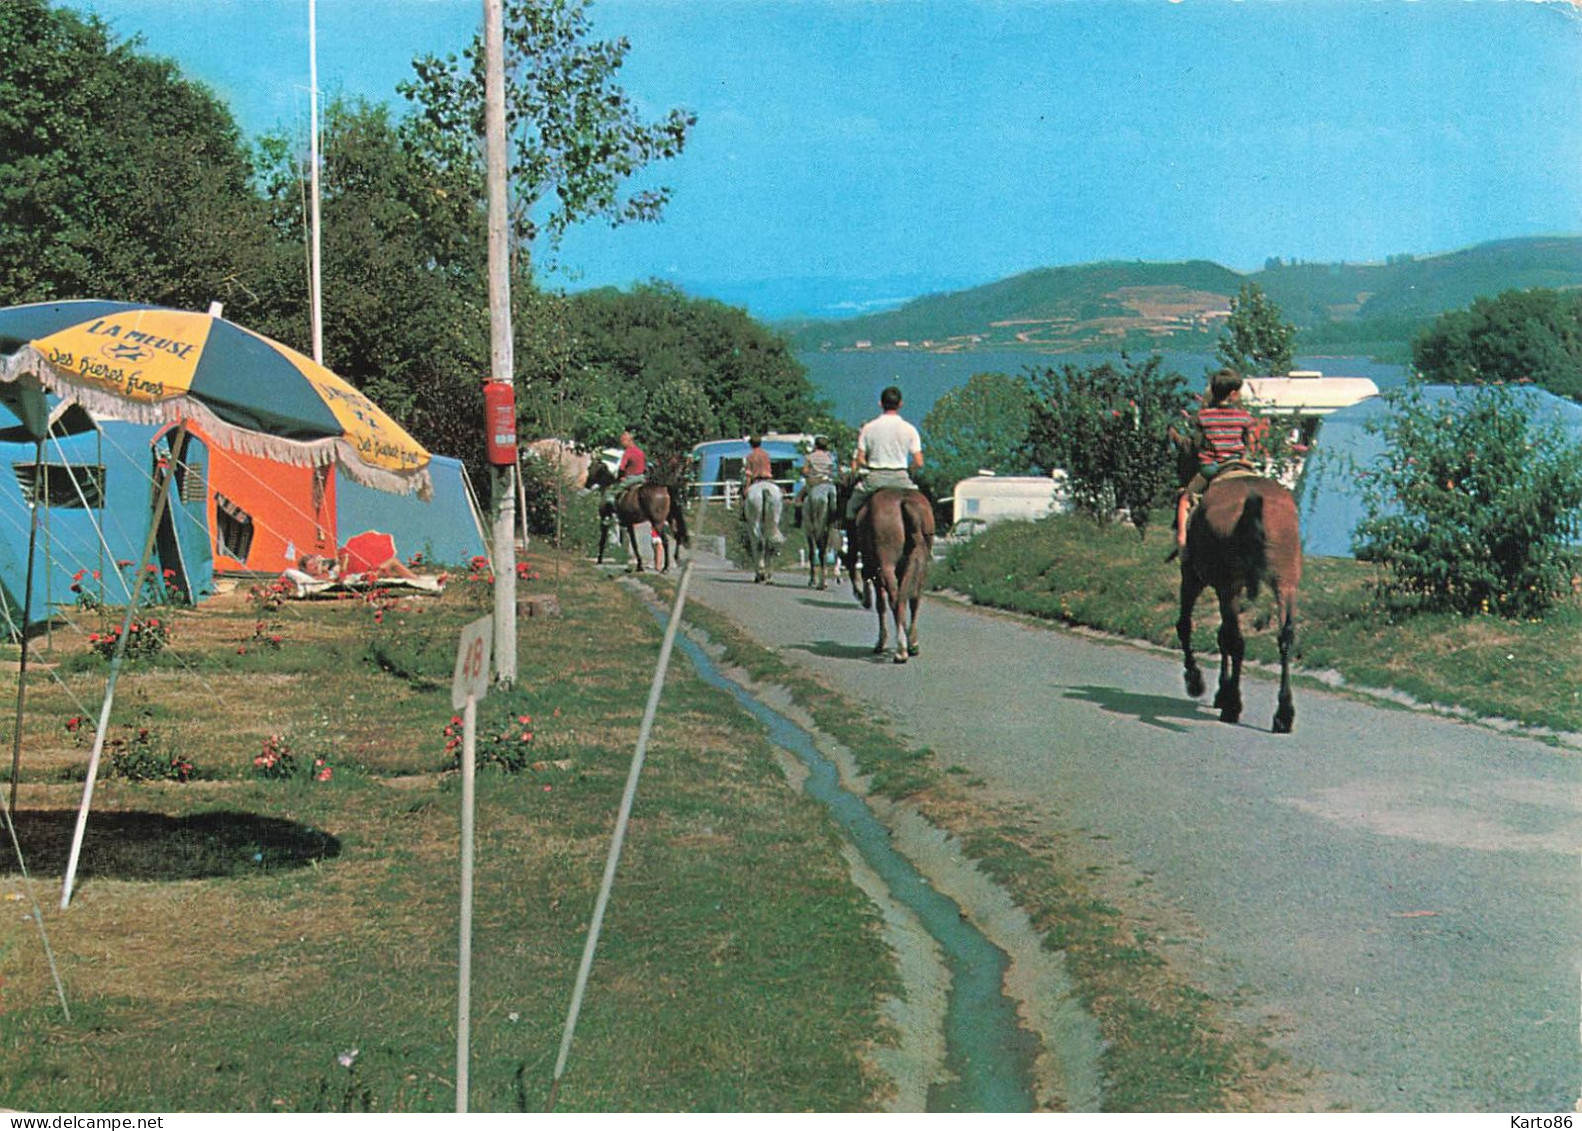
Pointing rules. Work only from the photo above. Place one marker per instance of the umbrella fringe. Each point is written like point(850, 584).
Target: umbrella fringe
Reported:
point(29, 362)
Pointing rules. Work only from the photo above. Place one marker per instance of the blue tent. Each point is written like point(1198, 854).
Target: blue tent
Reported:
point(1329, 495)
point(446, 529)
point(95, 489)
point(720, 461)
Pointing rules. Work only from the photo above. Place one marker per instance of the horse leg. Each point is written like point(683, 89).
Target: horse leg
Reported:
point(630, 530)
point(1285, 713)
point(1191, 587)
point(1232, 646)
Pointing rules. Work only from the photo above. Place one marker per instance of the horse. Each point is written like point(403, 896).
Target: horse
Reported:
point(762, 505)
point(821, 526)
point(1242, 534)
point(653, 503)
point(851, 560)
point(895, 542)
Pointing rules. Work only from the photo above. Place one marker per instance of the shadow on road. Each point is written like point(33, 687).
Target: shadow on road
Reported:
point(1155, 710)
point(836, 651)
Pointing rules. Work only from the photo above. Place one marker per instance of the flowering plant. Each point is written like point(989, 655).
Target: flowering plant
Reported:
point(508, 744)
point(277, 762)
point(146, 636)
point(139, 757)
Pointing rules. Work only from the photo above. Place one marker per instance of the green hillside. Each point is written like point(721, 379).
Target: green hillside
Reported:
point(1183, 305)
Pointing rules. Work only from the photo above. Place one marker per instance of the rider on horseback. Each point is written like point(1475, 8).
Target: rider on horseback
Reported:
point(632, 472)
point(1222, 432)
point(818, 466)
point(888, 450)
point(756, 468)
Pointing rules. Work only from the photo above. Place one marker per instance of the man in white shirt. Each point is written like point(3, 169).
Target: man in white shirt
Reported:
point(888, 450)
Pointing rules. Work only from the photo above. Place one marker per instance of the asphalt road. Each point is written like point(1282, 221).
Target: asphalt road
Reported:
point(1395, 896)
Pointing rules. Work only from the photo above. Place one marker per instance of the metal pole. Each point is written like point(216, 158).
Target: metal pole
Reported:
point(502, 363)
point(316, 282)
point(621, 821)
point(40, 494)
point(161, 500)
point(469, 774)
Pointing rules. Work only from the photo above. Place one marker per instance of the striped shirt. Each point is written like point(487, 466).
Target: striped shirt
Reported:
point(1224, 430)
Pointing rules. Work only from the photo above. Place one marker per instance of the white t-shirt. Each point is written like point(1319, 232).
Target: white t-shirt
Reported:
point(888, 443)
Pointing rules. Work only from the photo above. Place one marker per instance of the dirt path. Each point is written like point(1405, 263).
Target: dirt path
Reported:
point(1394, 896)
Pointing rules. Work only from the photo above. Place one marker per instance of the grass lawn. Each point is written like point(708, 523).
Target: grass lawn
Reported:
point(237, 943)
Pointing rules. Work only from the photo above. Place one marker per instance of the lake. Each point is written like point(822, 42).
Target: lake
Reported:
point(852, 379)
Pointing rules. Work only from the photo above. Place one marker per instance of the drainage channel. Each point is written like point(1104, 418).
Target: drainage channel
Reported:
point(988, 1053)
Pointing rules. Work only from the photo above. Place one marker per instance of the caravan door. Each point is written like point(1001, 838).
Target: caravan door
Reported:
point(182, 554)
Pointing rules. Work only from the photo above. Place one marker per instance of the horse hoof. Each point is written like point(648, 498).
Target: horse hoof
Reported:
point(1283, 721)
point(1194, 684)
point(1230, 715)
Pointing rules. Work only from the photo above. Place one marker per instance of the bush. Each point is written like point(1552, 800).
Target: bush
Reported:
point(1473, 505)
point(1107, 426)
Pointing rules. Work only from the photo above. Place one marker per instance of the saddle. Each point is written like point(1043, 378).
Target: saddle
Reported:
point(1234, 469)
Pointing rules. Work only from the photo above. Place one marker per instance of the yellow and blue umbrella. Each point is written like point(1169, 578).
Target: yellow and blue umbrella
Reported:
point(246, 392)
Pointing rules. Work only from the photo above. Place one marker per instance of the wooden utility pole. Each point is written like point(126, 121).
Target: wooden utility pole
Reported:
point(502, 361)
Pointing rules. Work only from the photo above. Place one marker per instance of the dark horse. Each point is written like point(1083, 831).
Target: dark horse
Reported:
point(653, 503)
point(893, 540)
point(1243, 534)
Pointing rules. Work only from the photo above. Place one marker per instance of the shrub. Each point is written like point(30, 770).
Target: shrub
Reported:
point(141, 757)
point(1107, 426)
point(1473, 503)
point(506, 743)
point(146, 636)
point(277, 761)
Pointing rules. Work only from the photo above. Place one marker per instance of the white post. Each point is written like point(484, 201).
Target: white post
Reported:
point(469, 774)
point(315, 283)
point(470, 682)
point(502, 362)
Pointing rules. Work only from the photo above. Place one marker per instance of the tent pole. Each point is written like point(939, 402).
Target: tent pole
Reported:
point(27, 604)
point(156, 515)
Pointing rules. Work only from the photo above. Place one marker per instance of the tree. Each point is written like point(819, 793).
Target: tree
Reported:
point(1257, 341)
point(1107, 426)
point(628, 348)
point(1533, 335)
point(982, 425)
point(1472, 506)
point(576, 136)
point(404, 300)
point(119, 178)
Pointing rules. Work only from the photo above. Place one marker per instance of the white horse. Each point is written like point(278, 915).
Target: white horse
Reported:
point(821, 524)
point(761, 508)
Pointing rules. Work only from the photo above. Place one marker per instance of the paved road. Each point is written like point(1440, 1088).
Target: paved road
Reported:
point(1399, 897)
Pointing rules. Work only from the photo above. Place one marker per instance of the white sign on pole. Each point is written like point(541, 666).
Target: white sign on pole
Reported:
point(472, 662)
point(469, 686)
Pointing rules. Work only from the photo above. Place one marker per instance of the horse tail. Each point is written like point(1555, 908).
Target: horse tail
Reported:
point(1253, 538)
point(678, 517)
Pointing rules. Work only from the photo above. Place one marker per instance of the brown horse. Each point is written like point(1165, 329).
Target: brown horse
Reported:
point(894, 539)
point(1243, 534)
point(653, 503)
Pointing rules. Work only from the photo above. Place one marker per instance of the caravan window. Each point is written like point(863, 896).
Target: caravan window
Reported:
point(62, 484)
point(233, 529)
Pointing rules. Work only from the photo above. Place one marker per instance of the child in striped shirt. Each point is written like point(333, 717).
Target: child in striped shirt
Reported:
point(1224, 431)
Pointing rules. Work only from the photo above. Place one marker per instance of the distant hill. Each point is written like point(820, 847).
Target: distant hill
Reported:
point(1183, 306)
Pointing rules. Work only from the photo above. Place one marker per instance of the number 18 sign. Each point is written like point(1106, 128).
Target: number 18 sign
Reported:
point(472, 662)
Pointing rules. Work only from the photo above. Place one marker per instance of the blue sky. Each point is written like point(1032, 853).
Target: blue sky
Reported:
point(914, 145)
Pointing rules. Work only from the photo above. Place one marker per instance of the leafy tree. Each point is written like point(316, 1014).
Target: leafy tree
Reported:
point(118, 178)
point(404, 299)
point(1257, 341)
point(1107, 426)
point(1533, 335)
point(629, 348)
point(1472, 505)
point(982, 425)
point(576, 136)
